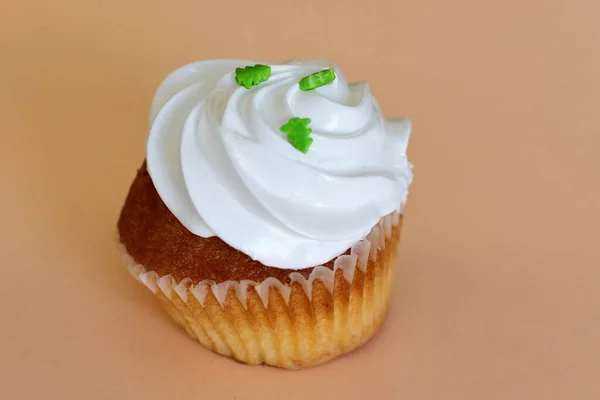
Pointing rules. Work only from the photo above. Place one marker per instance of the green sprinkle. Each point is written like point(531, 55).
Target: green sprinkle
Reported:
point(317, 79)
point(298, 133)
point(252, 75)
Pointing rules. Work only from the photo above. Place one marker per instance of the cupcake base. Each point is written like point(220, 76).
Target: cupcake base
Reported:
point(299, 324)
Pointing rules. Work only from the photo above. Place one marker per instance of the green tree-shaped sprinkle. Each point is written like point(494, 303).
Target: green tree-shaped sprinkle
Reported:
point(317, 79)
point(252, 75)
point(298, 133)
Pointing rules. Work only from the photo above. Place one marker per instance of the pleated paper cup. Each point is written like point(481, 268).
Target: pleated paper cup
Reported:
point(296, 325)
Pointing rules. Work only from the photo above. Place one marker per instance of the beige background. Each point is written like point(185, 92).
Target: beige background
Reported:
point(497, 294)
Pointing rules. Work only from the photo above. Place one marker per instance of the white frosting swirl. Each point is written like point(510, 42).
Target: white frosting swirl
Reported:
point(221, 165)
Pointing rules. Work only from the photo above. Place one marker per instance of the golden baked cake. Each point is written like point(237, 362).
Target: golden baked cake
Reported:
point(267, 214)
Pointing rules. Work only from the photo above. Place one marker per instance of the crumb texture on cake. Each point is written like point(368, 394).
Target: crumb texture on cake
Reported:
point(155, 238)
point(299, 324)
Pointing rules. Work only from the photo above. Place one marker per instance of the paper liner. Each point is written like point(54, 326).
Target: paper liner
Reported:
point(296, 325)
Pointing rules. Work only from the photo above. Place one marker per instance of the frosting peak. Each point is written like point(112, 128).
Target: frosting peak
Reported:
point(221, 164)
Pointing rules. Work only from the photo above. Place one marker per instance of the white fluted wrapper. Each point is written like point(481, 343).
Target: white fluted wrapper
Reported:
point(300, 324)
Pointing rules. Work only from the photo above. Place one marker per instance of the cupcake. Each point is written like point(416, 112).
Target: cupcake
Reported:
point(267, 214)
